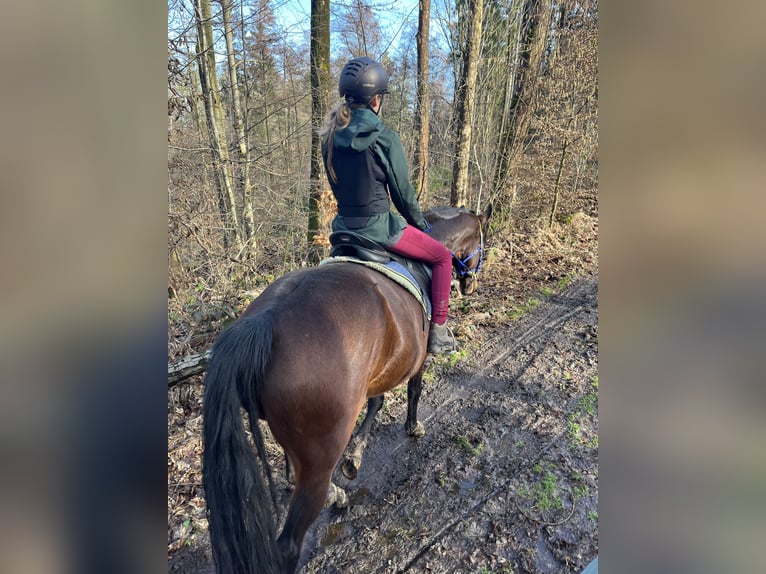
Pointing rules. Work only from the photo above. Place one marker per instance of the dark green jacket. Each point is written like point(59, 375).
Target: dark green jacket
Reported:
point(366, 130)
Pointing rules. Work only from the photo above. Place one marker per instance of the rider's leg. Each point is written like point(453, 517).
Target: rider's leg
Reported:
point(418, 245)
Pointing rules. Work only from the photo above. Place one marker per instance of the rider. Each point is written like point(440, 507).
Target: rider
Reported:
point(365, 165)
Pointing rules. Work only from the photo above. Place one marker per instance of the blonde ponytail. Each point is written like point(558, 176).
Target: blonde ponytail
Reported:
point(339, 117)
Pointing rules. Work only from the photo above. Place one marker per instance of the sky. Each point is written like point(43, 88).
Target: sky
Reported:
point(395, 17)
point(398, 20)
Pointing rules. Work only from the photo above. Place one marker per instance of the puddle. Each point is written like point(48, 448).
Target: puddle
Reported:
point(335, 533)
point(359, 496)
point(545, 561)
point(466, 486)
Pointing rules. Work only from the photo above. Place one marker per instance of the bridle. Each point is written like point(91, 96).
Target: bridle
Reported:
point(463, 270)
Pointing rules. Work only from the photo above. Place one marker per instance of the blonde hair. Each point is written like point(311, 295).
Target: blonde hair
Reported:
point(339, 117)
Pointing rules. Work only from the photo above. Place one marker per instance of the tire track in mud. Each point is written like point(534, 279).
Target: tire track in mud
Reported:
point(425, 505)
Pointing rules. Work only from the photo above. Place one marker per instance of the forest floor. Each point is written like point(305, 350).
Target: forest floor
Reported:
point(505, 479)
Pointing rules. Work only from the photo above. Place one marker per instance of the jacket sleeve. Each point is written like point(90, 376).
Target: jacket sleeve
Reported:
point(399, 186)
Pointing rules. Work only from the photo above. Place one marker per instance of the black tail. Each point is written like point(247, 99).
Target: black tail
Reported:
point(239, 498)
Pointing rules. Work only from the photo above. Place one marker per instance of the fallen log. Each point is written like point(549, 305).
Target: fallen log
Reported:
point(187, 366)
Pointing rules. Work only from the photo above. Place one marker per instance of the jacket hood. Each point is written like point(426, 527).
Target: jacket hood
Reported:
point(361, 132)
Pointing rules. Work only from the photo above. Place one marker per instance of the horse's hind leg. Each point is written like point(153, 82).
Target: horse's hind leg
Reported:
point(353, 460)
point(307, 502)
point(289, 470)
point(413, 426)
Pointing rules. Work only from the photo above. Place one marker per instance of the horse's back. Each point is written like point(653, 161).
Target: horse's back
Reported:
point(346, 293)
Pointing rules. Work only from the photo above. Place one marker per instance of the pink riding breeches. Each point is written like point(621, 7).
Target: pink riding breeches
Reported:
point(415, 244)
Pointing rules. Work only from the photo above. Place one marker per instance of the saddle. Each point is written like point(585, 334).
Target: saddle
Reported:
point(355, 246)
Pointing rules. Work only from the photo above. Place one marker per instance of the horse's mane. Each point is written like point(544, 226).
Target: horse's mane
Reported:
point(447, 212)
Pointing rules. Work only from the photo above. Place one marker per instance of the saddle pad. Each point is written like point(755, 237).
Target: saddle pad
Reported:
point(394, 271)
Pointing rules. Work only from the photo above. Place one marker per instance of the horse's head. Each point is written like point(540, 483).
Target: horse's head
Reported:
point(463, 233)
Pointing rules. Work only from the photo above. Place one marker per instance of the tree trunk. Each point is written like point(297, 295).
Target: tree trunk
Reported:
point(516, 116)
point(556, 185)
point(187, 367)
point(465, 104)
point(214, 114)
point(320, 80)
point(238, 118)
point(423, 106)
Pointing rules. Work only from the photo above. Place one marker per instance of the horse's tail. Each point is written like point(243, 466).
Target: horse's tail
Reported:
point(239, 497)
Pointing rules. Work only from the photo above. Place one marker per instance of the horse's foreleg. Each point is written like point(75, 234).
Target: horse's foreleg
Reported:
point(413, 426)
point(455, 290)
point(353, 460)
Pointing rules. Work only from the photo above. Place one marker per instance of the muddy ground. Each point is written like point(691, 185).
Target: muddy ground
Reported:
point(506, 477)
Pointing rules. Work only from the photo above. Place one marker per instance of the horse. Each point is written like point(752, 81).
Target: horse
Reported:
point(454, 228)
point(305, 356)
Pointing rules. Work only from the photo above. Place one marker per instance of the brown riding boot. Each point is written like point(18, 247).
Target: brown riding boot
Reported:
point(441, 341)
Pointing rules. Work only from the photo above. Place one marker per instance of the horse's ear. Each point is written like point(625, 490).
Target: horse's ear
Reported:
point(485, 216)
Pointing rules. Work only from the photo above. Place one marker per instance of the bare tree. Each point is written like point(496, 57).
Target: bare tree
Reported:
point(357, 28)
point(464, 106)
point(320, 80)
point(423, 105)
point(523, 58)
point(239, 120)
point(215, 123)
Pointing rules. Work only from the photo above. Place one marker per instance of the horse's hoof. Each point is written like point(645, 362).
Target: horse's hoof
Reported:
point(341, 500)
point(289, 471)
point(337, 497)
point(418, 431)
point(350, 468)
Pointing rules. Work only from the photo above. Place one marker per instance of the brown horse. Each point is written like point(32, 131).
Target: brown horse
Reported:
point(305, 356)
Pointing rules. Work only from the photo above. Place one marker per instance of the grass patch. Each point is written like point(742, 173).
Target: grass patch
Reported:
point(580, 491)
point(574, 428)
point(588, 404)
point(564, 281)
point(466, 445)
point(546, 291)
point(448, 361)
point(518, 312)
point(463, 305)
point(566, 380)
point(456, 357)
point(546, 494)
point(400, 391)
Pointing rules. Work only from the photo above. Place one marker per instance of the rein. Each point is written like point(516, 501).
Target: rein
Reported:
point(463, 270)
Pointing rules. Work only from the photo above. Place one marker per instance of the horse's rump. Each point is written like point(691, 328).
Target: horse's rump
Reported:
point(337, 328)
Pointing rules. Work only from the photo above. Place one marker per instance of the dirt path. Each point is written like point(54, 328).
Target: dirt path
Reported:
point(505, 479)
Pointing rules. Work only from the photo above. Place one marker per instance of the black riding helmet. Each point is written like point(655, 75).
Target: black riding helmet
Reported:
point(361, 79)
